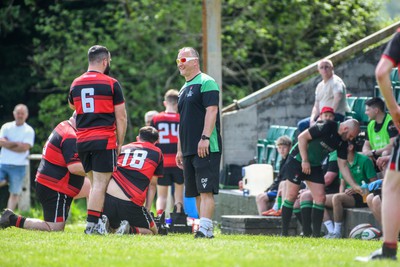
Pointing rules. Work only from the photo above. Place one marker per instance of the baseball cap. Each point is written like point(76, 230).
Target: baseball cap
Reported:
point(327, 109)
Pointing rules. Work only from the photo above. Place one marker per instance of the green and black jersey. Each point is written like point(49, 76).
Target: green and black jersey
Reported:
point(325, 139)
point(194, 97)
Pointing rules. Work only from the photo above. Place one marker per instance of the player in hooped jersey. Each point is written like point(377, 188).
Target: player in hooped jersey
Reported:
point(167, 124)
point(101, 126)
point(59, 179)
point(131, 190)
point(391, 182)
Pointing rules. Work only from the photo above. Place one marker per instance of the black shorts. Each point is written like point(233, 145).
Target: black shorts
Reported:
point(358, 200)
point(171, 175)
point(201, 174)
point(55, 205)
point(293, 172)
point(118, 210)
point(99, 160)
point(394, 164)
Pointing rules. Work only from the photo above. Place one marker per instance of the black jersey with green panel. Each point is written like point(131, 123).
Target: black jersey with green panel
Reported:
point(325, 139)
point(194, 97)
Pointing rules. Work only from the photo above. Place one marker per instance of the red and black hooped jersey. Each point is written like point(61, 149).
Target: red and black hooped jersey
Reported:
point(59, 152)
point(137, 164)
point(167, 125)
point(392, 50)
point(94, 96)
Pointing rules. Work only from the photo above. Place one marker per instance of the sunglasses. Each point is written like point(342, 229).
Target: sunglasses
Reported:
point(185, 59)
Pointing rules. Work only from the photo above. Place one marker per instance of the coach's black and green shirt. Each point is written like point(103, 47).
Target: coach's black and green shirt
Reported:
point(194, 97)
point(325, 139)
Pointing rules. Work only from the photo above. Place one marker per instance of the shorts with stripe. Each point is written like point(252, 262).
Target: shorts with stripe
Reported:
point(395, 157)
point(99, 160)
point(55, 205)
point(118, 210)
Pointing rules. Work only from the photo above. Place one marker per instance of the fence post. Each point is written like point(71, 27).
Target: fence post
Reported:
point(24, 203)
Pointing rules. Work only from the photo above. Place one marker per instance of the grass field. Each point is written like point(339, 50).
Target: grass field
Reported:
point(20, 247)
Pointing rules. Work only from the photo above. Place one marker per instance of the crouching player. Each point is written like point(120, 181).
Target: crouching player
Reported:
point(59, 179)
point(131, 190)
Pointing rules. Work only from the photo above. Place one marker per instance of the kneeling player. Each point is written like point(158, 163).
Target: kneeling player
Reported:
point(134, 184)
point(59, 179)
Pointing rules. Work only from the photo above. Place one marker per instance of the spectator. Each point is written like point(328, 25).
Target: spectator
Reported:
point(374, 200)
point(330, 92)
point(381, 131)
point(304, 163)
point(101, 126)
point(16, 138)
point(167, 124)
point(131, 190)
point(362, 169)
point(200, 144)
point(59, 179)
point(148, 116)
point(283, 144)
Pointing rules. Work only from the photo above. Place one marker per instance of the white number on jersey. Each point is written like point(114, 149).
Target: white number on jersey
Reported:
point(137, 160)
point(164, 131)
point(47, 143)
point(87, 100)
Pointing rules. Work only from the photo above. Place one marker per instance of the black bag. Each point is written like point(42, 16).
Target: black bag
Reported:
point(179, 221)
point(230, 176)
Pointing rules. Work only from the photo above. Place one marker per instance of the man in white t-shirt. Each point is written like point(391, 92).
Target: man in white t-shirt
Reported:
point(16, 138)
point(330, 92)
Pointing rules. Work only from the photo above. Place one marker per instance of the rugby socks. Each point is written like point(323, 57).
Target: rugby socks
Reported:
point(279, 201)
point(160, 212)
point(206, 226)
point(287, 210)
point(329, 226)
point(306, 211)
point(275, 207)
point(297, 213)
point(93, 216)
point(317, 217)
point(17, 220)
point(389, 249)
point(338, 228)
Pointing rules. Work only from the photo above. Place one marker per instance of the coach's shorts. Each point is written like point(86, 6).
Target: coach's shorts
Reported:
point(99, 160)
point(170, 176)
point(293, 172)
point(15, 176)
point(118, 210)
point(201, 174)
point(55, 205)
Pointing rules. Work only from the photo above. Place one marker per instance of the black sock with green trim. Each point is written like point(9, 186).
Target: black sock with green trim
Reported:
point(306, 210)
point(287, 210)
point(297, 213)
point(317, 217)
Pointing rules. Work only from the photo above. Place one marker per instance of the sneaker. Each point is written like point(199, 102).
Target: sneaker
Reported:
point(123, 228)
point(200, 234)
point(162, 227)
point(103, 226)
point(268, 212)
point(276, 213)
point(333, 236)
point(376, 255)
point(90, 228)
point(5, 218)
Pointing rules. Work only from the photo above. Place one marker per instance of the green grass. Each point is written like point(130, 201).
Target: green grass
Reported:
point(20, 247)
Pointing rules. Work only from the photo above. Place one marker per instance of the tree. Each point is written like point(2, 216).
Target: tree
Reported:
point(262, 42)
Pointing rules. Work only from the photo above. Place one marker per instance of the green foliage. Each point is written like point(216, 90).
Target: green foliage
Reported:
point(46, 42)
